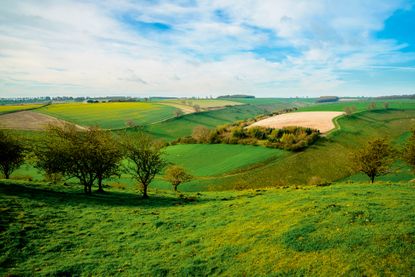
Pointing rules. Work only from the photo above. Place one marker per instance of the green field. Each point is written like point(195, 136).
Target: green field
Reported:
point(217, 159)
point(110, 115)
point(361, 105)
point(344, 229)
point(203, 103)
point(15, 108)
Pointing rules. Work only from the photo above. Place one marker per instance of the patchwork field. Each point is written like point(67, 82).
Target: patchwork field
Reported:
point(344, 229)
point(14, 108)
point(362, 105)
point(110, 115)
point(202, 103)
point(28, 120)
point(322, 121)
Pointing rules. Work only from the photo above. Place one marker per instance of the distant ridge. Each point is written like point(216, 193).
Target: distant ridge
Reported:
point(236, 96)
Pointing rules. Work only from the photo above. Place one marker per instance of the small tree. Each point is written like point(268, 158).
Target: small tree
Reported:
point(11, 153)
point(177, 175)
point(178, 113)
point(144, 159)
point(371, 106)
point(348, 111)
point(409, 150)
point(197, 108)
point(201, 134)
point(386, 105)
point(374, 159)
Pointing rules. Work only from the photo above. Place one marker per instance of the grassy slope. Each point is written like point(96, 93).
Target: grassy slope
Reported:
point(329, 158)
point(203, 103)
point(345, 229)
point(210, 160)
point(110, 115)
point(183, 126)
point(403, 104)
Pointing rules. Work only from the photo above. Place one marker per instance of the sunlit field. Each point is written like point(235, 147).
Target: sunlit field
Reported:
point(110, 115)
point(14, 108)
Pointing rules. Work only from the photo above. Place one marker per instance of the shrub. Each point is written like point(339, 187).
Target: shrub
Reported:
point(318, 181)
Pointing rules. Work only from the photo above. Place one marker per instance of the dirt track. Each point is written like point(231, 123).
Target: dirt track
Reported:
point(322, 121)
point(27, 120)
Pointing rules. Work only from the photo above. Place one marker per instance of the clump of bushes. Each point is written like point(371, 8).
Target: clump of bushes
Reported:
point(288, 138)
point(317, 181)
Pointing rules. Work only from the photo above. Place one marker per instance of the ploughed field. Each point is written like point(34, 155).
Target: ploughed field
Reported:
point(344, 229)
point(322, 121)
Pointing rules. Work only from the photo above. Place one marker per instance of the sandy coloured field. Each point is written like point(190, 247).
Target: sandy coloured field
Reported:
point(27, 120)
point(322, 121)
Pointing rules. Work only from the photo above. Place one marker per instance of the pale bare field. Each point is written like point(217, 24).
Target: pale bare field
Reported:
point(322, 121)
point(27, 120)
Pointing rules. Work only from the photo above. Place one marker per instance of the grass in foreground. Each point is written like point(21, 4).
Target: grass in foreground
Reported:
point(344, 229)
point(110, 115)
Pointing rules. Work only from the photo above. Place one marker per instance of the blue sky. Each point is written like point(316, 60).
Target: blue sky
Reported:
point(278, 48)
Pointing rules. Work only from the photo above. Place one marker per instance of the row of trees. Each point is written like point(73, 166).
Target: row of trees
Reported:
point(371, 106)
point(91, 156)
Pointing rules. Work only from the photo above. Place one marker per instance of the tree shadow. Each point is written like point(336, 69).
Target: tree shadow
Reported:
point(78, 198)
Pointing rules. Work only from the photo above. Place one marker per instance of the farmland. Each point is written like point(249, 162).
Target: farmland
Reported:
point(110, 115)
point(14, 108)
point(344, 229)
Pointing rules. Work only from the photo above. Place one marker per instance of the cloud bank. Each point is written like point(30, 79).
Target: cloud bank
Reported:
point(198, 48)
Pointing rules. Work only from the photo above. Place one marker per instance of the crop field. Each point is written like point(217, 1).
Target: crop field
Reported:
point(14, 108)
point(110, 115)
point(322, 121)
point(343, 229)
point(203, 103)
point(28, 120)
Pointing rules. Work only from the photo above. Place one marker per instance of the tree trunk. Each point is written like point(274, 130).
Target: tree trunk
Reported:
point(100, 189)
point(90, 189)
point(145, 195)
point(7, 175)
point(85, 189)
point(372, 179)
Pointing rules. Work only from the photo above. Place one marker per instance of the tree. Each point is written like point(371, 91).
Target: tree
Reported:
point(371, 106)
point(11, 153)
point(374, 159)
point(386, 105)
point(89, 155)
point(145, 159)
point(178, 113)
point(409, 150)
point(201, 134)
point(348, 111)
point(177, 175)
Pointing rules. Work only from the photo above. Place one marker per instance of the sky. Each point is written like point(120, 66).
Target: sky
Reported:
point(266, 48)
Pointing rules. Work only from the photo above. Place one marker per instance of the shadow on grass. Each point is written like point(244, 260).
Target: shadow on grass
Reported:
point(71, 196)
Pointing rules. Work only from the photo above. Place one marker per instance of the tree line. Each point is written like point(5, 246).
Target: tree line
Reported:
point(91, 156)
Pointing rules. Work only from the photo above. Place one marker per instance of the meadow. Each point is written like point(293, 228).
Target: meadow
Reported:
point(110, 115)
point(344, 229)
point(14, 108)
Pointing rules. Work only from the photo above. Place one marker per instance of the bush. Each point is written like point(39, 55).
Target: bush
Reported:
point(318, 181)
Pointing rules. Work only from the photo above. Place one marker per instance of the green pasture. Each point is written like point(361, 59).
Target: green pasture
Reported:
point(362, 105)
point(15, 108)
point(110, 115)
point(341, 230)
point(218, 159)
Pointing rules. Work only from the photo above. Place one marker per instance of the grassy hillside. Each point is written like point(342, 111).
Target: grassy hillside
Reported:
point(110, 115)
point(183, 126)
point(344, 229)
point(15, 108)
point(203, 103)
point(400, 104)
point(210, 160)
point(329, 158)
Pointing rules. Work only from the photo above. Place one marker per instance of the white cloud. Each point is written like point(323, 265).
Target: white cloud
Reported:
point(85, 48)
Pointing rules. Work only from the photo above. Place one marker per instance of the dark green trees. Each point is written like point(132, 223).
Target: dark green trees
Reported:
point(11, 153)
point(89, 155)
